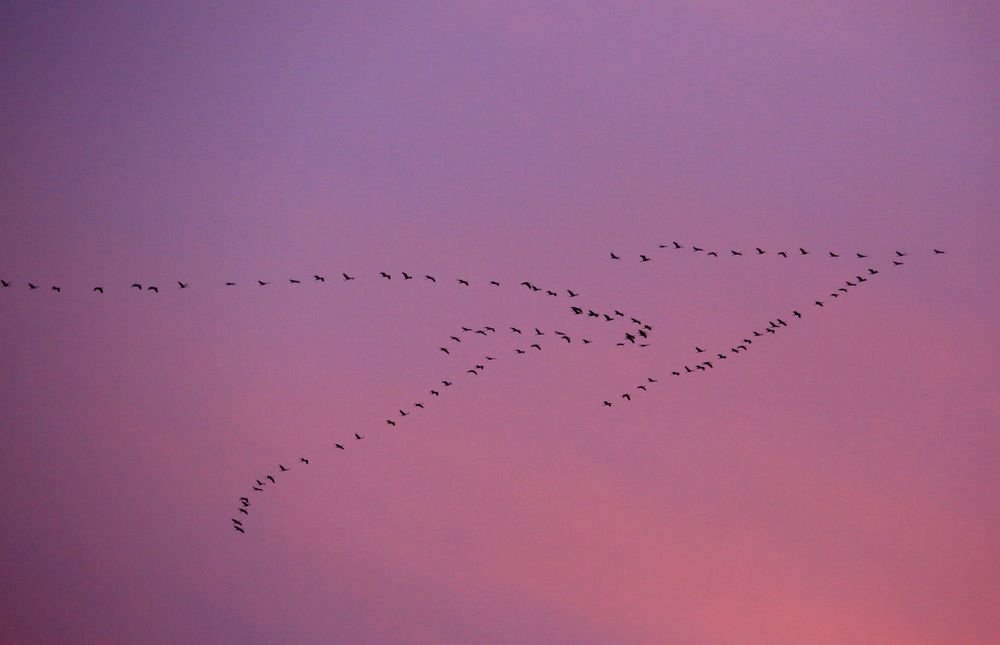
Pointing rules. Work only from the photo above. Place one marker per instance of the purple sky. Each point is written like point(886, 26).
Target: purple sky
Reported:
point(836, 484)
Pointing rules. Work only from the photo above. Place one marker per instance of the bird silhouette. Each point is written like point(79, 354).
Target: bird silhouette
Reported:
point(99, 289)
point(182, 285)
point(641, 387)
point(614, 257)
point(430, 277)
point(678, 246)
point(347, 277)
point(760, 251)
point(444, 349)
point(262, 283)
point(385, 275)
point(472, 372)
point(153, 289)
point(407, 276)
point(643, 258)
point(515, 330)
point(833, 255)
point(339, 447)
point(403, 413)
point(259, 490)
point(463, 282)
point(537, 346)
point(56, 289)
point(435, 393)
point(136, 285)
point(818, 303)
point(572, 294)
point(230, 284)
point(897, 263)
point(736, 253)
point(713, 254)
point(900, 254)
point(390, 422)
point(782, 254)
point(698, 350)
point(456, 338)
point(4, 283)
point(488, 328)
point(243, 510)
point(519, 351)
point(861, 255)
point(937, 252)
point(607, 403)
point(358, 437)
point(796, 314)
point(282, 468)
point(236, 521)
point(294, 281)
point(419, 405)
point(696, 249)
point(627, 397)
point(271, 477)
point(446, 383)
point(319, 278)
point(650, 379)
point(802, 251)
point(539, 332)
point(304, 460)
point(494, 283)
point(240, 529)
point(260, 483)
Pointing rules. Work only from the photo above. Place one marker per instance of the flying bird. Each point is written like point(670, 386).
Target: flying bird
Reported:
point(56, 289)
point(444, 349)
point(282, 468)
point(572, 294)
point(243, 510)
point(153, 289)
point(643, 258)
point(627, 397)
point(385, 275)
point(294, 281)
point(698, 350)
point(99, 289)
point(736, 253)
point(136, 285)
point(390, 422)
point(465, 282)
point(782, 254)
point(833, 255)
point(347, 277)
point(230, 284)
point(607, 403)
point(4, 283)
point(358, 437)
point(304, 460)
point(182, 285)
point(339, 447)
point(494, 283)
point(271, 478)
point(760, 251)
point(614, 257)
point(937, 252)
point(515, 330)
point(802, 251)
point(319, 278)
point(537, 346)
point(430, 277)
point(407, 276)
point(262, 283)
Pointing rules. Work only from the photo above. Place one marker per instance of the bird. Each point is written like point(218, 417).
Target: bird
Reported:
point(304, 460)
point(294, 281)
point(385, 275)
point(230, 284)
point(627, 397)
point(650, 379)
point(465, 282)
point(271, 478)
point(678, 246)
point(643, 258)
point(539, 332)
point(641, 387)
point(444, 349)
point(861, 255)
point(236, 521)
point(736, 253)
point(260, 483)
point(551, 293)
point(488, 328)
point(676, 373)
point(698, 350)
point(419, 405)
point(833, 255)
point(494, 283)
point(819, 303)
point(347, 277)
point(358, 437)
point(430, 277)
point(782, 254)
point(262, 283)
point(136, 285)
point(243, 510)
point(56, 289)
point(696, 249)
point(607, 403)
point(390, 422)
point(446, 383)
point(435, 393)
point(406, 276)
point(182, 285)
point(240, 529)
point(897, 263)
point(567, 339)
point(938, 252)
point(282, 468)
point(259, 490)
point(472, 372)
point(4, 283)
point(760, 251)
point(900, 254)
point(515, 330)
point(153, 289)
point(537, 346)
point(585, 341)
point(481, 332)
point(593, 314)
point(630, 338)
point(403, 413)
point(796, 314)
point(519, 351)
point(245, 500)
point(572, 294)
point(608, 318)
point(339, 447)
point(614, 257)
point(456, 338)
point(802, 251)
point(713, 254)
point(319, 278)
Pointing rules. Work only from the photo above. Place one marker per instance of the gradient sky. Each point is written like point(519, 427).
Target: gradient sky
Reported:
point(838, 484)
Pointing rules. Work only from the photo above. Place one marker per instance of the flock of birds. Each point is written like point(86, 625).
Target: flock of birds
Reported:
point(531, 338)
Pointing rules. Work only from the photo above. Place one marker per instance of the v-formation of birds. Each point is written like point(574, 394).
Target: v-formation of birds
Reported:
point(702, 360)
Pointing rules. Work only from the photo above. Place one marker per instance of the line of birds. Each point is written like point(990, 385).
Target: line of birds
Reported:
point(743, 344)
point(757, 251)
point(259, 486)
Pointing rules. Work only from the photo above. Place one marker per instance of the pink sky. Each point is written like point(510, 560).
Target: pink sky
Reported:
point(837, 484)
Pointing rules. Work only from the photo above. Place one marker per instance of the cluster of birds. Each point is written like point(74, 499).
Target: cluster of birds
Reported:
point(757, 252)
point(706, 361)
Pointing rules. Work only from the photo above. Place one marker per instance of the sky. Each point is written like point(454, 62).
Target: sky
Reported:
point(835, 483)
